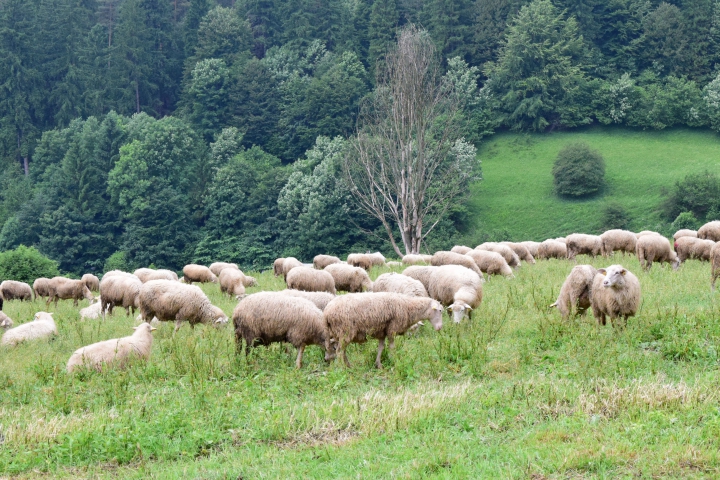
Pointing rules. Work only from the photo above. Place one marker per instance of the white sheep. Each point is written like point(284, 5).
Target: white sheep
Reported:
point(41, 327)
point(575, 293)
point(232, 282)
point(320, 299)
point(521, 251)
point(457, 288)
point(618, 240)
point(615, 293)
point(491, 263)
point(5, 321)
point(452, 258)
point(654, 247)
point(174, 301)
point(710, 231)
point(685, 233)
point(116, 352)
point(93, 312)
point(693, 248)
point(413, 259)
point(310, 280)
point(551, 249)
point(397, 283)
point(583, 244)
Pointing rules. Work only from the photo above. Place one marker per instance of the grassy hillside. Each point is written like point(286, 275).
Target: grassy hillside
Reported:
point(516, 201)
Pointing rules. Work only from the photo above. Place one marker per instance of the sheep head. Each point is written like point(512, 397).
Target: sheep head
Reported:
point(459, 310)
point(435, 314)
point(614, 276)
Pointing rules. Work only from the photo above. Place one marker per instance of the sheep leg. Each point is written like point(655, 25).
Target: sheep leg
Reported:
point(341, 350)
point(391, 343)
point(75, 302)
point(56, 300)
point(178, 324)
point(298, 361)
point(381, 347)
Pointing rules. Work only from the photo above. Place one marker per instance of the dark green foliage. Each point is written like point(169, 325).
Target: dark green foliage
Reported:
point(116, 261)
point(578, 171)
point(686, 220)
point(25, 264)
point(698, 194)
point(614, 215)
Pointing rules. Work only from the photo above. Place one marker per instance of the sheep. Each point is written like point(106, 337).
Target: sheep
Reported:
point(310, 280)
point(62, 288)
point(198, 273)
point(583, 244)
point(322, 261)
point(561, 239)
point(288, 264)
point(218, 267)
point(14, 290)
point(93, 312)
point(414, 259)
point(5, 321)
point(618, 240)
point(461, 249)
point(41, 287)
point(510, 257)
point(521, 251)
point(615, 293)
point(693, 248)
point(575, 291)
point(646, 232)
point(715, 265)
point(532, 247)
point(397, 283)
point(457, 288)
point(421, 274)
point(551, 249)
point(232, 282)
point(491, 263)
point(119, 290)
point(161, 274)
point(452, 258)
point(142, 273)
point(685, 233)
point(710, 231)
point(170, 301)
point(366, 260)
point(267, 317)
point(348, 278)
point(42, 326)
point(249, 281)
point(91, 281)
point(656, 248)
point(278, 266)
point(352, 318)
point(393, 264)
point(320, 299)
point(117, 352)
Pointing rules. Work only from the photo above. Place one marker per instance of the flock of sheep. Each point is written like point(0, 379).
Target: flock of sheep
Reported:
point(309, 311)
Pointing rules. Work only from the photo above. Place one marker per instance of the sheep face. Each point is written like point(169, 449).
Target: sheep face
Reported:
point(675, 262)
point(145, 326)
point(436, 315)
point(330, 349)
point(460, 310)
point(6, 324)
point(614, 277)
point(219, 317)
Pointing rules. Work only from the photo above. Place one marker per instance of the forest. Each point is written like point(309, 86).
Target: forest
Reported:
point(164, 132)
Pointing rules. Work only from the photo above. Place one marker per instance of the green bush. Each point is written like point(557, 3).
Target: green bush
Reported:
point(116, 261)
point(614, 215)
point(26, 264)
point(578, 171)
point(685, 220)
point(698, 194)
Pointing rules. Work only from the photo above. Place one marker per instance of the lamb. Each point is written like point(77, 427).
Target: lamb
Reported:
point(119, 290)
point(170, 301)
point(232, 282)
point(580, 243)
point(521, 251)
point(656, 248)
point(62, 288)
point(91, 282)
point(41, 287)
point(322, 261)
point(41, 327)
point(117, 352)
point(266, 317)
point(575, 291)
point(685, 233)
point(352, 318)
point(310, 280)
point(618, 240)
point(457, 288)
point(710, 231)
point(551, 249)
point(413, 259)
point(14, 290)
point(397, 283)
point(93, 312)
point(421, 274)
point(510, 257)
point(615, 293)
point(491, 263)
point(5, 321)
point(198, 273)
point(452, 258)
point(695, 248)
point(461, 249)
point(218, 267)
point(532, 247)
point(348, 278)
point(320, 299)
point(715, 265)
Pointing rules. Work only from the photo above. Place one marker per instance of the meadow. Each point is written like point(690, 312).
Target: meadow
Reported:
point(513, 393)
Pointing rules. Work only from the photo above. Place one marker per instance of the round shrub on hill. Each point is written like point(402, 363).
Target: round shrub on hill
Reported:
point(578, 171)
point(25, 265)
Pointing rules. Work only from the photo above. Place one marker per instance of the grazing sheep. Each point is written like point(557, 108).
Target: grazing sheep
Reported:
point(491, 263)
point(413, 259)
point(461, 249)
point(119, 273)
point(288, 264)
point(119, 291)
point(218, 267)
point(693, 248)
point(457, 288)
point(41, 327)
point(510, 257)
point(116, 352)
point(646, 232)
point(561, 239)
point(366, 260)
point(715, 265)
point(710, 231)
point(452, 258)
point(14, 290)
point(62, 288)
point(173, 301)
point(322, 261)
point(574, 298)
point(278, 266)
point(320, 299)
point(421, 274)
point(618, 241)
point(93, 312)
point(521, 251)
point(551, 249)
point(267, 317)
point(685, 233)
point(198, 273)
point(352, 318)
point(143, 273)
point(393, 264)
point(615, 293)
point(5, 321)
point(397, 283)
point(348, 278)
point(532, 247)
point(232, 282)
point(41, 287)
point(91, 281)
point(250, 281)
point(310, 280)
point(656, 248)
point(160, 274)
point(582, 244)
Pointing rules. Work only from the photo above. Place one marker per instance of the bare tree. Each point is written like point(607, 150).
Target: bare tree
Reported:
point(408, 163)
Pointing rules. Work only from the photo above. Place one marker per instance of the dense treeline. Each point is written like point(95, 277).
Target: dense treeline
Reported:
point(161, 132)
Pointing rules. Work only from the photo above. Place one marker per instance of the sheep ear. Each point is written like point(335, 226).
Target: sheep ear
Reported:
point(602, 271)
point(152, 329)
point(623, 271)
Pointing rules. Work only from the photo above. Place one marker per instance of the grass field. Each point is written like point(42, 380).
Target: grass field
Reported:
point(515, 393)
point(515, 200)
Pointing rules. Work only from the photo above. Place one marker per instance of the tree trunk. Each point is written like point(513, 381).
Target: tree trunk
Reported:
point(26, 165)
point(137, 96)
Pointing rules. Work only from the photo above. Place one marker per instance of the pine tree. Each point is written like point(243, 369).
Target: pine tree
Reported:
point(381, 30)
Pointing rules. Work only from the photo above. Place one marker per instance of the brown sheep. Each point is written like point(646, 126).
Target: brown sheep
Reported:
point(491, 263)
point(685, 233)
point(715, 265)
point(413, 259)
point(119, 291)
point(320, 299)
point(218, 267)
point(267, 317)
point(348, 278)
point(173, 301)
point(574, 298)
point(397, 283)
point(322, 261)
point(693, 248)
point(457, 288)
point(710, 231)
point(452, 258)
point(354, 317)
point(41, 287)
point(91, 281)
point(618, 240)
point(232, 282)
point(14, 290)
point(62, 288)
point(582, 244)
point(656, 248)
point(615, 293)
point(198, 273)
point(310, 280)
point(551, 249)
point(521, 251)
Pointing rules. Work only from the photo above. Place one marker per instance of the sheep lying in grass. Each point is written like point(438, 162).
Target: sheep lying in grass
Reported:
point(551, 249)
point(62, 288)
point(93, 312)
point(618, 241)
point(452, 258)
point(491, 263)
point(41, 287)
point(117, 352)
point(685, 233)
point(457, 288)
point(615, 293)
point(521, 251)
point(348, 278)
point(320, 299)
point(232, 282)
point(322, 261)
point(416, 259)
point(218, 267)
point(654, 247)
point(353, 317)
point(14, 290)
point(574, 298)
point(582, 244)
point(41, 327)
point(710, 231)
point(267, 317)
point(693, 248)
point(91, 282)
point(198, 273)
point(715, 265)
point(174, 301)
point(310, 280)
point(119, 291)
point(5, 321)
